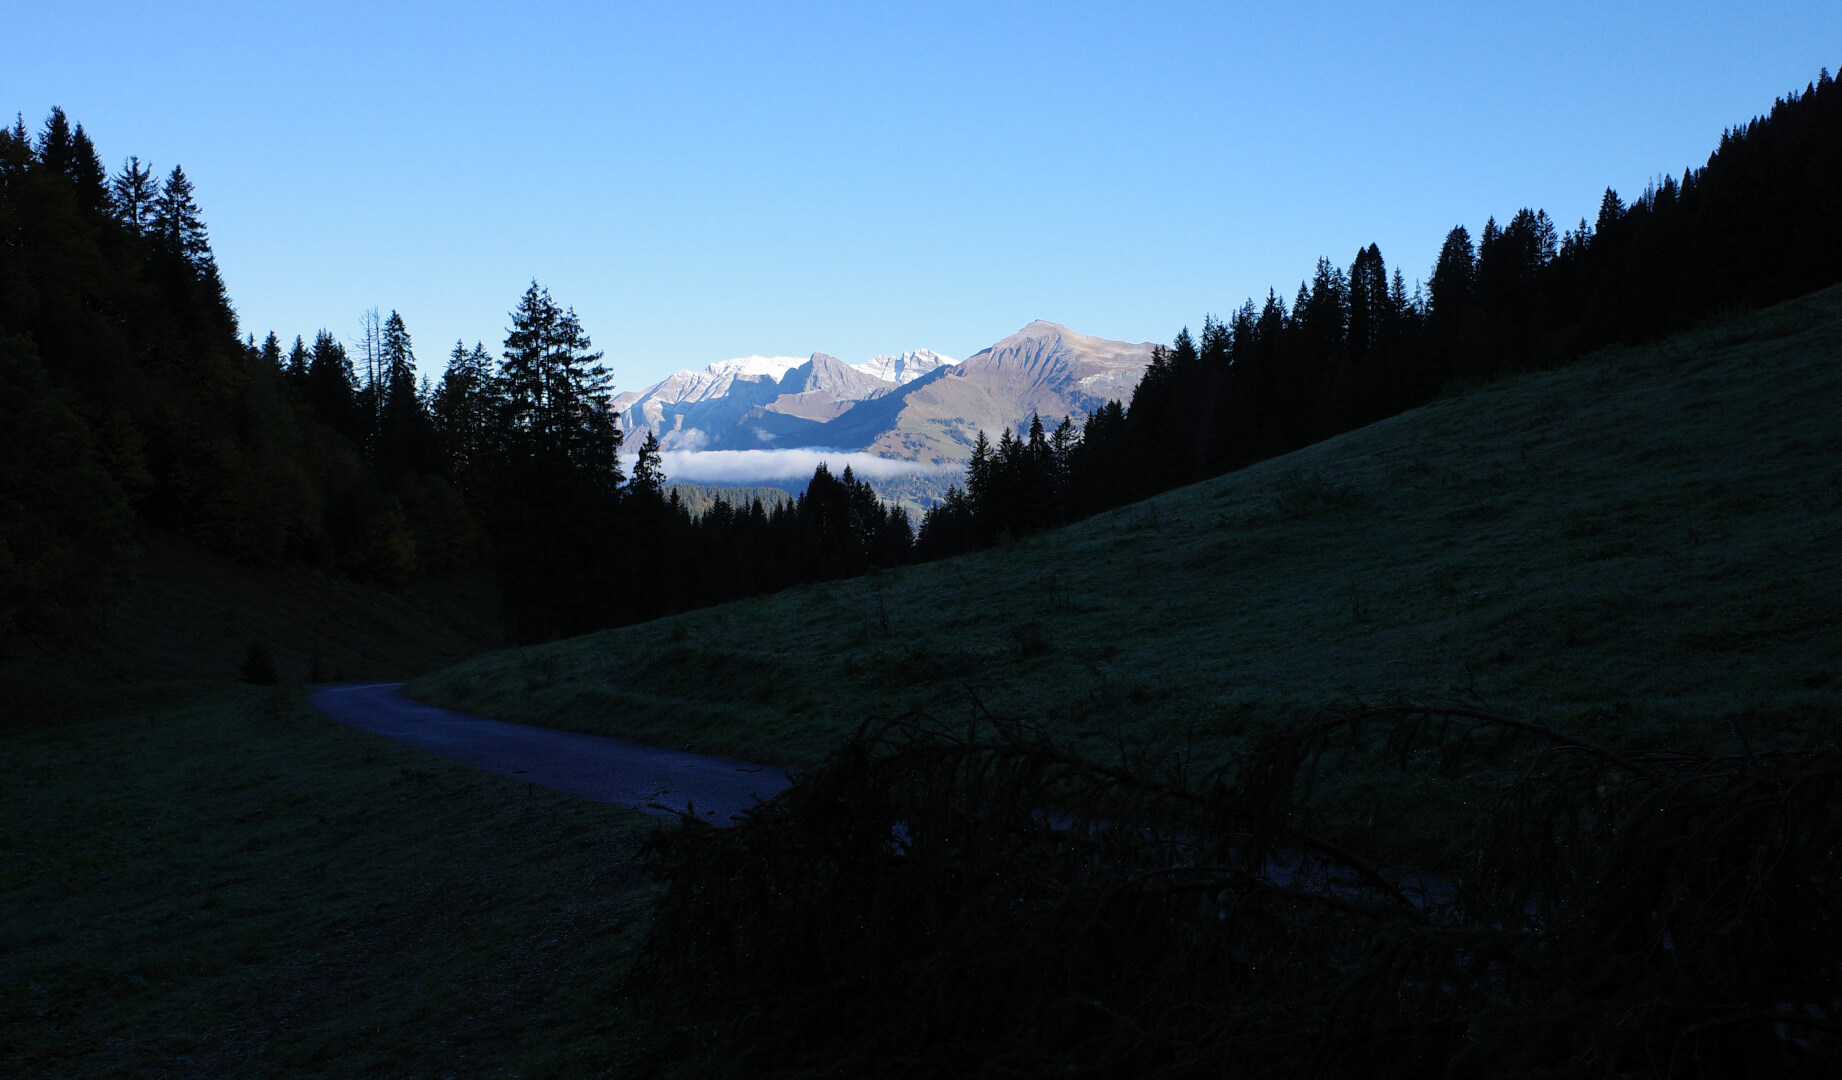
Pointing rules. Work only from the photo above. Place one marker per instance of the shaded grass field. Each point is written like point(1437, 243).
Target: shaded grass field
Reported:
point(185, 613)
point(1653, 914)
point(1645, 546)
point(201, 879)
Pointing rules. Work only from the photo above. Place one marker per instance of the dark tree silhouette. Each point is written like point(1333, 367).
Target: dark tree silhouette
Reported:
point(132, 194)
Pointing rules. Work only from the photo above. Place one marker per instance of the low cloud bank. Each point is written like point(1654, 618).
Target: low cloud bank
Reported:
point(739, 467)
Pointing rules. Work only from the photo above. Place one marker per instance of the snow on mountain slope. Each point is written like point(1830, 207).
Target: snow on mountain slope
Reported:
point(725, 389)
point(695, 410)
point(1043, 368)
point(918, 406)
point(905, 368)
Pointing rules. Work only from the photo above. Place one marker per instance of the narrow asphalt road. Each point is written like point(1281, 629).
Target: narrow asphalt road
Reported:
point(646, 778)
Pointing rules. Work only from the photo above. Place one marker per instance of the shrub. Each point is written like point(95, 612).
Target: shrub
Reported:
point(258, 666)
point(937, 900)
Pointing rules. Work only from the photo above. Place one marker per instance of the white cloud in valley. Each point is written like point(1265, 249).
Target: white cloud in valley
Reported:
point(742, 467)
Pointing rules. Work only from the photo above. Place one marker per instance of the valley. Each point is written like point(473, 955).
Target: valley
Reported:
point(1432, 671)
point(1642, 544)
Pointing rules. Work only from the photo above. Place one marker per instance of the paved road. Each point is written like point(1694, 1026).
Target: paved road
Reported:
point(607, 770)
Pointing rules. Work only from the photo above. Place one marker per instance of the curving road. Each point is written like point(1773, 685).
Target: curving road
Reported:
point(646, 778)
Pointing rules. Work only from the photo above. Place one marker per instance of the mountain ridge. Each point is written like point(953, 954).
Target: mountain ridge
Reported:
point(904, 367)
point(917, 406)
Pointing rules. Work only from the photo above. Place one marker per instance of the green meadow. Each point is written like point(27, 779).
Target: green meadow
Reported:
point(213, 880)
point(1645, 547)
point(206, 878)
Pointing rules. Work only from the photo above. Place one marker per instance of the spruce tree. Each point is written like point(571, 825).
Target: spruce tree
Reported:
point(1611, 212)
point(15, 150)
point(1038, 482)
point(132, 193)
point(270, 353)
point(1400, 305)
point(553, 389)
point(978, 477)
point(406, 440)
point(1453, 276)
point(1062, 443)
point(330, 389)
point(463, 411)
point(1368, 300)
point(56, 150)
point(648, 470)
point(398, 401)
point(296, 368)
point(1451, 292)
point(175, 223)
point(87, 174)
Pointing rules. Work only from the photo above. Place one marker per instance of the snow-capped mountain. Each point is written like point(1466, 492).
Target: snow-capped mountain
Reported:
point(720, 393)
point(753, 401)
point(905, 368)
point(917, 406)
point(823, 387)
point(1043, 368)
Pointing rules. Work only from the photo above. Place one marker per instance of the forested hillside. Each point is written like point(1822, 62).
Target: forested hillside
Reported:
point(128, 395)
point(132, 393)
point(700, 499)
point(1546, 672)
point(1760, 222)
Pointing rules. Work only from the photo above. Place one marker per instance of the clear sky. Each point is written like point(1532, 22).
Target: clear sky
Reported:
point(702, 181)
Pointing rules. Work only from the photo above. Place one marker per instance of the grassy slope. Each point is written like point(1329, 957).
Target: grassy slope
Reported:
point(188, 614)
point(1650, 540)
point(212, 880)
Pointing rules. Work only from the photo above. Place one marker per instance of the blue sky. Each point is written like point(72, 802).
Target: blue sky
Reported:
point(703, 181)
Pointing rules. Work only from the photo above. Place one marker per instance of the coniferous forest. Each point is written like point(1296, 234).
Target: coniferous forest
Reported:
point(1760, 222)
point(1512, 753)
point(132, 394)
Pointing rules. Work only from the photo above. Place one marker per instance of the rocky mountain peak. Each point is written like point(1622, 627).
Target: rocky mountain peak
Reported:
point(905, 368)
point(919, 406)
point(827, 374)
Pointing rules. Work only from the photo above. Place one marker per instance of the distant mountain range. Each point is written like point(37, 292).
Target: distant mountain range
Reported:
point(918, 406)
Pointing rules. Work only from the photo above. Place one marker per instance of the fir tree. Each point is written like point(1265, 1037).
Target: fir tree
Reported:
point(978, 475)
point(270, 354)
point(553, 389)
point(1368, 303)
point(132, 193)
point(406, 440)
point(175, 224)
point(330, 388)
point(87, 174)
point(56, 149)
point(648, 470)
point(297, 364)
point(463, 411)
point(16, 156)
point(1611, 212)
point(1453, 275)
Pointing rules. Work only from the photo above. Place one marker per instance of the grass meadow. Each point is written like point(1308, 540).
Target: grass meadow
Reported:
point(213, 880)
point(1644, 547)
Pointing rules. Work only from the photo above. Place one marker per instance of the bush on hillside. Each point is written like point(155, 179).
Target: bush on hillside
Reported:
point(64, 525)
point(938, 900)
point(259, 666)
